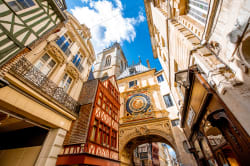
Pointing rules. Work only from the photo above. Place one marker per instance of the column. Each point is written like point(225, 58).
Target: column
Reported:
point(51, 148)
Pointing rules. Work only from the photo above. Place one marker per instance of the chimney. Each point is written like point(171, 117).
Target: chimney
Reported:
point(148, 63)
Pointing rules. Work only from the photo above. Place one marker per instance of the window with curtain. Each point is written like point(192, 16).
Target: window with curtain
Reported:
point(168, 101)
point(18, 5)
point(198, 9)
point(45, 64)
point(66, 82)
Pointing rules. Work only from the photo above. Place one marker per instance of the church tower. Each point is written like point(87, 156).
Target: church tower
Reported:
point(111, 61)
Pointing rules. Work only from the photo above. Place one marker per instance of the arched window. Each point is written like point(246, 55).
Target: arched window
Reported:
point(108, 60)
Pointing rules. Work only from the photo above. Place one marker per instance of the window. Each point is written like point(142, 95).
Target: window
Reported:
point(77, 61)
point(198, 10)
point(132, 83)
point(113, 139)
point(18, 5)
point(121, 66)
point(94, 130)
point(132, 70)
point(66, 82)
point(100, 133)
point(108, 60)
point(190, 118)
point(175, 122)
point(168, 100)
point(64, 43)
point(45, 64)
point(160, 78)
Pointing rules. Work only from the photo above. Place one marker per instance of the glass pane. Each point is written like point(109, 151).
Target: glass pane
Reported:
point(99, 101)
point(98, 136)
point(92, 137)
point(69, 80)
point(65, 46)
point(95, 122)
point(60, 40)
point(45, 70)
point(23, 4)
point(45, 57)
point(14, 6)
point(75, 58)
point(39, 64)
point(30, 2)
point(52, 63)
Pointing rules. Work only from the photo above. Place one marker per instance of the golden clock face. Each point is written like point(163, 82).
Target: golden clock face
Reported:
point(138, 103)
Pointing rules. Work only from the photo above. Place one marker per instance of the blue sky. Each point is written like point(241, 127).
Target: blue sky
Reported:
point(123, 21)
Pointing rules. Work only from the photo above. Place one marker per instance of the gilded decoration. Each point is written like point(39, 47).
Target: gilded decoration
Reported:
point(55, 52)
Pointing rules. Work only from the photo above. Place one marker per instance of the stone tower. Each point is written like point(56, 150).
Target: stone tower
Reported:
point(111, 61)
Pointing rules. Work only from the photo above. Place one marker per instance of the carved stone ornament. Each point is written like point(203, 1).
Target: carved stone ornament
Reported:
point(72, 71)
point(55, 52)
point(142, 130)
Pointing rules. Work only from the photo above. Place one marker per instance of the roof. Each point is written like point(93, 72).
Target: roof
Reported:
point(133, 70)
point(88, 92)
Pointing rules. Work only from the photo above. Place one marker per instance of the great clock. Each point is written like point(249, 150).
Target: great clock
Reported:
point(138, 103)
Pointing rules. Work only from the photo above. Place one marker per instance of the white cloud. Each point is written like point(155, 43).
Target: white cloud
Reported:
point(106, 22)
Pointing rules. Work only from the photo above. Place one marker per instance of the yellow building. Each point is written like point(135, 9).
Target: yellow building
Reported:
point(147, 113)
point(38, 100)
point(202, 46)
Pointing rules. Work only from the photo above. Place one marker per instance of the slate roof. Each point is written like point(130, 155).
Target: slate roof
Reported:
point(133, 70)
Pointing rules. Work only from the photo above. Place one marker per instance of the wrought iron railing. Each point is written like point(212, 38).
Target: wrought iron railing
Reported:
point(26, 71)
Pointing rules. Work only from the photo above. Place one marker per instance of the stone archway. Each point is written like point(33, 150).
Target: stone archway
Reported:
point(133, 134)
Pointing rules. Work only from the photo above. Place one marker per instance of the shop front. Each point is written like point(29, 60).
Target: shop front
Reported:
point(215, 136)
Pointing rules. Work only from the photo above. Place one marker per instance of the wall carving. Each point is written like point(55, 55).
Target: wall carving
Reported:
point(55, 52)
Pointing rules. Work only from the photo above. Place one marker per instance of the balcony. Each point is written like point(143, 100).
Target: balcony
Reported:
point(26, 72)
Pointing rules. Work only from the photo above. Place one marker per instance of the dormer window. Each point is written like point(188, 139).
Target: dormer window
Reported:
point(198, 10)
point(132, 70)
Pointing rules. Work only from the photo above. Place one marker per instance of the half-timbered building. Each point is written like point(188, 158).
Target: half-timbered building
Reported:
point(24, 23)
point(93, 137)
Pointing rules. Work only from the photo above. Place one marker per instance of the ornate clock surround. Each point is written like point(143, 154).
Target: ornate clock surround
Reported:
point(138, 103)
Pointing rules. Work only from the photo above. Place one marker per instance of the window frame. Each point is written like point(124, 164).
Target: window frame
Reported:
point(134, 83)
point(22, 10)
point(169, 99)
point(108, 61)
point(160, 80)
point(62, 84)
point(45, 64)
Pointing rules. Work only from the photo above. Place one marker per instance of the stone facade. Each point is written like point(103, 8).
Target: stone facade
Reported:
point(208, 35)
point(144, 116)
point(111, 61)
